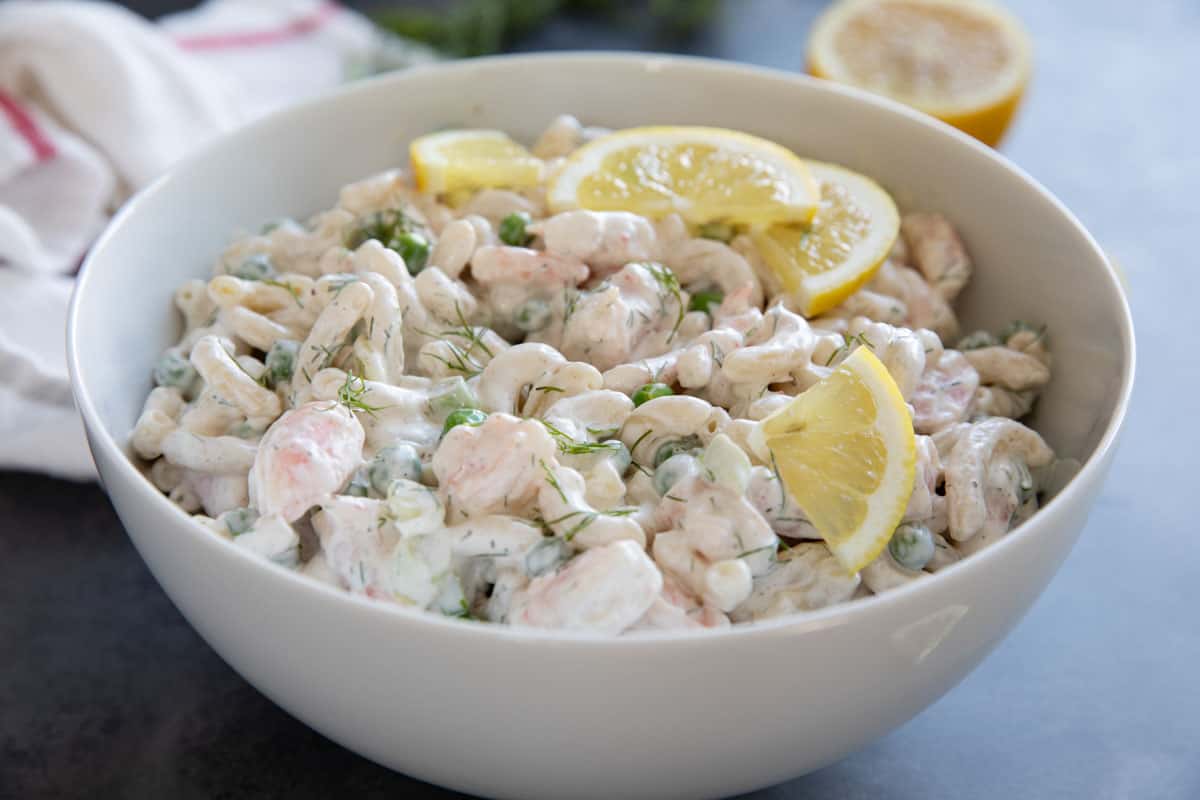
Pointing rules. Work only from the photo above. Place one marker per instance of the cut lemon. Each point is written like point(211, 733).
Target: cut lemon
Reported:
point(845, 451)
point(965, 62)
point(448, 161)
point(824, 262)
point(704, 174)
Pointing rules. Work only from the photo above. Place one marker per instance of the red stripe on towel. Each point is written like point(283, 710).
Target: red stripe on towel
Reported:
point(298, 27)
point(27, 128)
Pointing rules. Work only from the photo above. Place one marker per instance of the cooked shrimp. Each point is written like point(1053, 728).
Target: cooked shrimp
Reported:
point(306, 455)
point(604, 590)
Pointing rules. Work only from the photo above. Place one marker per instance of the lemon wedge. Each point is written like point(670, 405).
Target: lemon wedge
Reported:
point(966, 62)
point(845, 450)
point(824, 262)
point(704, 174)
point(449, 161)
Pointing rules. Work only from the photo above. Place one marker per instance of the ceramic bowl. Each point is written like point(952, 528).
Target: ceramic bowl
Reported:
point(524, 713)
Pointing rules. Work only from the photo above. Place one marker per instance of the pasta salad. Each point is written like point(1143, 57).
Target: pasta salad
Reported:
point(529, 386)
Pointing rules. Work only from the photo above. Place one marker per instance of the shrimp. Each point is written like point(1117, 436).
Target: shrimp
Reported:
point(923, 306)
point(936, 250)
point(1008, 369)
point(943, 395)
point(512, 276)
point(636, 313)
point(604, 240)
point(305, 456)
point(355, 546)
point(805, 577)
point(988, 479)
point(715, 541)
point(605, 590)
point(928, 476)
point(496, 468)
point(676, 608)
point(562, 503)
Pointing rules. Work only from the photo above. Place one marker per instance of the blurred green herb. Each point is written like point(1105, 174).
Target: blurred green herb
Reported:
point(481, 27)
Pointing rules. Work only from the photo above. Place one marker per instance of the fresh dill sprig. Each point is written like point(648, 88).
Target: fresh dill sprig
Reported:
point(287, 287)
point(849, 343)
point(588, 517)
point(783, 494)
point(756, 550)
point(553, 481)
point(330, 353)
point(603, 433)
point(633, 462)
point(668, 286)
point(351, 393)
point(570, 302)
point(718, 355)
point(571, 446)
point(339, 285)
point(548, 389)
point(459, 361)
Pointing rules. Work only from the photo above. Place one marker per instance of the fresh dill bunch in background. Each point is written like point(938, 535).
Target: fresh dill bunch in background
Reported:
point(481, 27)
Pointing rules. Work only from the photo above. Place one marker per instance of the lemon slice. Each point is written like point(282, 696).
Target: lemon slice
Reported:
point(823, 263)
point(472, 159)
point(845, 451)
point(966, 62)
point(704, 174)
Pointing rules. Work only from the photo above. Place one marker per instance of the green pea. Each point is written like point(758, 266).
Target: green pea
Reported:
point(705, 300)
point(673, 470)
point(673, 447)
point(622, 459)
point(532, 315)
point(413, 248)
point(239, 520)
point(173, 369)
point(721, 231)
point(390, 463)
point(650, 391)
point(257, 267)
point(911, 546)
point(546, 556)
point(281, 360)
point(464, 416)
point(244, 430)
point(977, 340)
point(359, 485)
point(449, 395)
point(512, 229)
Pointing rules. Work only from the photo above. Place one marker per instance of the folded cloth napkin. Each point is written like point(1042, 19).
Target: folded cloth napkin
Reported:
point(95, 102)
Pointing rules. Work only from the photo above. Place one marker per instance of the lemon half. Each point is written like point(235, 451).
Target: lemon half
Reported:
point(966, 62)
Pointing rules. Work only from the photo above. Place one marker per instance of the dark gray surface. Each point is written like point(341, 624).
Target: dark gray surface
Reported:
point(106, 692)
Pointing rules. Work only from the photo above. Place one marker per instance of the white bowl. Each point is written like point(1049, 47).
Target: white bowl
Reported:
point(510, 712)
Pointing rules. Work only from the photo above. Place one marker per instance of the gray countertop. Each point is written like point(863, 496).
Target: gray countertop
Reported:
point(106, 692)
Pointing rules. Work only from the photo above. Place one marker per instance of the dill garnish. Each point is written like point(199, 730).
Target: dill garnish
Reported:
point(668, 286)
point(351, 393)
point(553, 481)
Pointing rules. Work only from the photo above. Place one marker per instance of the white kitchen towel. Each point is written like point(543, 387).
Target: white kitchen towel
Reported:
point(95, 102)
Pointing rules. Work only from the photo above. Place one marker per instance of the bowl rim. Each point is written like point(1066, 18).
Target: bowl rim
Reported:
point(100, 438)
